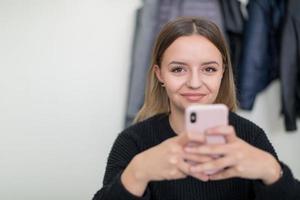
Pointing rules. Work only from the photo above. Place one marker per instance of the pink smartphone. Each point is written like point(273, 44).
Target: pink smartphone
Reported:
point(198, 118)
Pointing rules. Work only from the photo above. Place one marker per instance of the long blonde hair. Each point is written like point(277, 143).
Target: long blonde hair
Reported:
point(156, 99)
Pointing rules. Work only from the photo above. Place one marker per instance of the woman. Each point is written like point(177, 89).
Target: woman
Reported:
point(191, 65)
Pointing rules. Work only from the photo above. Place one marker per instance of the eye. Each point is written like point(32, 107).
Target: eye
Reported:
point(210, 69)
point(177, 69)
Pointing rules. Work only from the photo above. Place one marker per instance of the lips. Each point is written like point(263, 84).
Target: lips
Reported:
point(193, 96)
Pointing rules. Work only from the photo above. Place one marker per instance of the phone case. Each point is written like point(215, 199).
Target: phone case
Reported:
point(201, 117)
point(207, 116)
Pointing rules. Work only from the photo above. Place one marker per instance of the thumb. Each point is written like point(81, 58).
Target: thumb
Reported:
point(182, 139)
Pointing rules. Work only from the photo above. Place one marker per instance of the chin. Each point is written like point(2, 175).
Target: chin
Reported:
point(205, 100)
point(198, 102)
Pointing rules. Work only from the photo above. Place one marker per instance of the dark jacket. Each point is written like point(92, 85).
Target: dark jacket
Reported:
point(259, 63)
point(234, 26)
point(290, 65)
point(144, 35)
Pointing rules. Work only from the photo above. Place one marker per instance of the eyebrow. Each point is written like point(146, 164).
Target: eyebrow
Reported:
point(209, 63)
point(183, 63)
point(177, 63)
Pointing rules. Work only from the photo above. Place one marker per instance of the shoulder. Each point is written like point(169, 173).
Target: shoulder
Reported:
point(251, 133)
point(245, 129)
point(153, 121)
point(146, 126)
point(238, 120)
point(146, 133)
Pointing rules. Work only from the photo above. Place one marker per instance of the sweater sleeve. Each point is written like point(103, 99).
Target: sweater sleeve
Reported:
point(286, 188)
point(124, 149)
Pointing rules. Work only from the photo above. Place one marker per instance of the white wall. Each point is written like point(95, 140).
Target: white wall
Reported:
point(64, 67)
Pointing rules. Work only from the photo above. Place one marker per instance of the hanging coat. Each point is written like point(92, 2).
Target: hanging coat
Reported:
point(290, 65)
point(259, 64)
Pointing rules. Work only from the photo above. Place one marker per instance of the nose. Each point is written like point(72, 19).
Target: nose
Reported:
point(194, 81)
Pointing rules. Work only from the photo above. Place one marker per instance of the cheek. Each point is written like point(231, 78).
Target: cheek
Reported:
point(214, 84)
point(174, 84)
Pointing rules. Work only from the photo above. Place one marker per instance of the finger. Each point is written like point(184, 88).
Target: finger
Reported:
point(197, 138)
point(224, 174)
point(193, 144)
point(175, 174)
point(183, 167)
point(197, 158)
point(200, 176)
point(216, 164)
point(227, 131)
point(209, 149)
point(182, 139)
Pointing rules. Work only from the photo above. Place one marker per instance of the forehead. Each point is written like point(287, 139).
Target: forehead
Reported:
point(193, 48)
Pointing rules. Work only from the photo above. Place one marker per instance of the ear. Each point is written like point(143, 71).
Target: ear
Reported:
point(157, 72)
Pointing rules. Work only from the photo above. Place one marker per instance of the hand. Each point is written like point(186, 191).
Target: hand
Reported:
point(193, 159)
point(164, 161)
point(238, 158)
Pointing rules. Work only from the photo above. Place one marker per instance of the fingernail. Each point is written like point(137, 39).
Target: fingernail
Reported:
point(188, 149)
point(194, 169)
point(202, 138)
point(205, 179)
point(203, 150)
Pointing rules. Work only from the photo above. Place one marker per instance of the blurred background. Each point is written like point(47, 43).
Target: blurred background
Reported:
point(65, 76)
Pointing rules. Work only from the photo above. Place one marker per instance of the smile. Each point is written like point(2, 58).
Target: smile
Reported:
point(193, 97)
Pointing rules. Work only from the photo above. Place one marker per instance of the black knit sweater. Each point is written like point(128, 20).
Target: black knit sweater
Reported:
point(153, 131)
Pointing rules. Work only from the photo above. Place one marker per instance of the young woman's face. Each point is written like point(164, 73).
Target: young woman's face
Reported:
point(191, 71)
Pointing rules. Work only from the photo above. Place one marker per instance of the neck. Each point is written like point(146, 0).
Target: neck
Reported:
point(176, 120)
